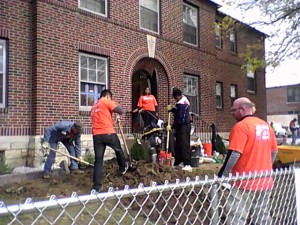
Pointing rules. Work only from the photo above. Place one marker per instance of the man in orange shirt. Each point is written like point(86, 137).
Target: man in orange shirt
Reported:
point(252, 148)
point(147, 106)
point(105, 135)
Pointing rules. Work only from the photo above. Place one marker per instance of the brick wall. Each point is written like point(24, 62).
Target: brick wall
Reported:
point(43, 73)
point(277, 101)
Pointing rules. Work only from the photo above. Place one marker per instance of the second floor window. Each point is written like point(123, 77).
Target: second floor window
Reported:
point(251, 81)
point(233, 93)
point(232, 39)
point(218, 35)
point(93, 79)
point(191, 91)
point(149, 15)
point(293, 94)
point(3, 73)
point(190, 24)
point(219, 95)
point(94, 6)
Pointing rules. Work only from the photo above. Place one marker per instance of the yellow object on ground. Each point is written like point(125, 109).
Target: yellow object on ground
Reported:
point(288, 154)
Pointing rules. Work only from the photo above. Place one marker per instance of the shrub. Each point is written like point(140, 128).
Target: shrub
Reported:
point(5, 168)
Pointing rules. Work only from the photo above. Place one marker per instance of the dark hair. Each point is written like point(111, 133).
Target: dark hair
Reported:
point(79, 126)
point(105, 92)
point(176, 92)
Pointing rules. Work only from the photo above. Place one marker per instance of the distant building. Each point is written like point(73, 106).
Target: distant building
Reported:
point(283, 104)
point(57, 55)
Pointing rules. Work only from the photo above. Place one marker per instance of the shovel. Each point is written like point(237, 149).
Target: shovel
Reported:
point(131, 167)
point(71, 157)
point(168, 138)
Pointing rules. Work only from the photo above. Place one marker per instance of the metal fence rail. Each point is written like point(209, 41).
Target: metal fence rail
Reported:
point(190, 202)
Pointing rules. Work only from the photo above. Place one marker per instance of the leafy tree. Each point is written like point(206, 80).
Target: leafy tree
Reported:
point(280, 20)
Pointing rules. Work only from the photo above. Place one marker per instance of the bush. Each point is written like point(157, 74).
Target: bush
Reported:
point(137, 152)
point(5, 168)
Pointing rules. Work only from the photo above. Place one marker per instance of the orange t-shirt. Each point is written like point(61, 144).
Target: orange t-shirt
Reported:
point(255, 140)
point(101, 114)
point(147, 102)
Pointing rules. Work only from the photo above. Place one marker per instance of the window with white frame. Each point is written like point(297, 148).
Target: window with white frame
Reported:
point(191, 91)
point(233, 43)
point(93, 79)
point(190, 24)
point(149, 15)
point(94, 6)
point(3, 73)
point(219, 95)
point(233, 92)
point(251, 80)
point(218, 35)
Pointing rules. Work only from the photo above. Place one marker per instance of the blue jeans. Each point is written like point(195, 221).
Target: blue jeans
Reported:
point(100, 143)
point(52, 154)
point(294, 136)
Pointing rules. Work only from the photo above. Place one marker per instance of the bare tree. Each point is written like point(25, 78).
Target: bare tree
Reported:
point(280, 20)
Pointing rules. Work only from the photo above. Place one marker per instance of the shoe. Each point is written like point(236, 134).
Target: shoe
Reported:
point(187, 168)
point(124, 170)
point(46, 175)
point(76, 171)
point(96, 189)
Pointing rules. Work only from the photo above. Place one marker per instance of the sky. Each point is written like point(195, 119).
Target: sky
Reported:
point(287, 72)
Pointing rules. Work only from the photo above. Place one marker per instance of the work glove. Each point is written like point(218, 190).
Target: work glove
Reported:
point(169, 128)
point(118, 118)
point(45, 144)
point(169, 107)
point(141, 110)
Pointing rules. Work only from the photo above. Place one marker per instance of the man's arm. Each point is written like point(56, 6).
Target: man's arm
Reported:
point(231, 159)
point(118, 109)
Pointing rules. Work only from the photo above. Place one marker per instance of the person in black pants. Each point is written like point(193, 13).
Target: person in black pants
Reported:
point(182, 127)
point(104, 135)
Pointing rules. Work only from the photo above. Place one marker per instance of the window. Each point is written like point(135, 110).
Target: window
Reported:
point(191, 91)
point(190, 24)
point(232, 39)
point(93, 79)
point(293, 94)
point(3, 73)
point(219, 95)
point(251, 81)
point(218, 35)
point(94, 6)
point(149, 15)
point(233, 93)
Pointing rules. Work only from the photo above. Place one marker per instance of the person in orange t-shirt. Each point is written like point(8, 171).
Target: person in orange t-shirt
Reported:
point(105, 135)
point(147, 106)
point(252, 148)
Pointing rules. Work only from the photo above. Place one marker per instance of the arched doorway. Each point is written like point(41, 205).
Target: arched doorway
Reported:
point(148, 72)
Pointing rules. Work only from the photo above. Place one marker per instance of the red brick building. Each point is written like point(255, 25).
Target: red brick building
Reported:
point(57, 55)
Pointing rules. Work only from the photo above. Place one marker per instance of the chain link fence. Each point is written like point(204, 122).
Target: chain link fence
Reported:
point(194, 201)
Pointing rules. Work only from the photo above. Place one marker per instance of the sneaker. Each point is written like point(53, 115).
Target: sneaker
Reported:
point(124, 170)
point(46, 175)
point(76, 171)
point(96, 189)
point(187, 168)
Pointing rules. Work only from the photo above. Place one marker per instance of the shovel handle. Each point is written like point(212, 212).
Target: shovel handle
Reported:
point(71, 157)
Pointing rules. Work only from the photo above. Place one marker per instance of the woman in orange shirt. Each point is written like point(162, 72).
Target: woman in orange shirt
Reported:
point(147, 106)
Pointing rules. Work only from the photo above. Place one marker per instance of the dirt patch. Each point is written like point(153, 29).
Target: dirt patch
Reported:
point(64, 185)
